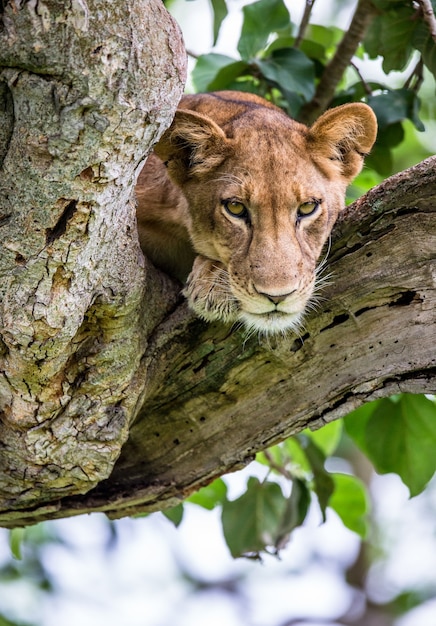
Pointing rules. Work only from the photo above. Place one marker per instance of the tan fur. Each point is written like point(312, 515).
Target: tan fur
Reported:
point(231, 146)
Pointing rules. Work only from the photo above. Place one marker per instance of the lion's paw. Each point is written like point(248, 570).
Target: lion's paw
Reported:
point(208, 291)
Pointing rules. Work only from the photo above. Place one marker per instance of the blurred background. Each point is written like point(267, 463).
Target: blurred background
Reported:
point(146, 572)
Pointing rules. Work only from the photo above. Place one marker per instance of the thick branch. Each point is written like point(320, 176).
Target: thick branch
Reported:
point(212, 399)
point(335, 69)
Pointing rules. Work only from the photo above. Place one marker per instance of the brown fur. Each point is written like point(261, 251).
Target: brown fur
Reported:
point(226, 146)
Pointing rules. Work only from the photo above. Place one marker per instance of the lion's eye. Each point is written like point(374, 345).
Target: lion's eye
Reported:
point(308, 208)
point(235, 208)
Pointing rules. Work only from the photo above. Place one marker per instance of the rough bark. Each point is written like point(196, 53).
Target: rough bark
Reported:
point(86, 87)
point(212, 398)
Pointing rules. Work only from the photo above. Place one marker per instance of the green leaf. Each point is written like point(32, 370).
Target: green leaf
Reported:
point(391, 36)
point(323, 482)
point(319, 41)
point(207, 67)
point(261, 19)
point(355, 92)
point(313, 50)
point(389, 108)
point(394, 106)
point(227, 75)
point(255, 520)
point(287, 455)
point(380, 160)
point(298, 459)
point(210, 496)
point(326, 438)
point(280, 42)
point(356, 422)
point(295, 513)
point(16, 537)
point(390, 136)
point(293, 103)
point(350, 501)
point(400, 437)
point(366, 180)
point(424, 42)
point(175, 514)
point(220, 11)
point(291, 70)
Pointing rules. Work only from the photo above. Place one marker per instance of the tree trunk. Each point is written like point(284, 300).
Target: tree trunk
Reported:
point(100, 353)
point(86, 87)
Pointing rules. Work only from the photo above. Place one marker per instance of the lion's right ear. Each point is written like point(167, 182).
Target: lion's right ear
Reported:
point(342, 137)
point(192, 145)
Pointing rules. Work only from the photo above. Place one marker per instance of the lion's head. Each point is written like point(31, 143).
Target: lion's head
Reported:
point(263, 193)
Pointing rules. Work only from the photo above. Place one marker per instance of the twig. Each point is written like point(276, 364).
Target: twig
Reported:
point(429, 17)
point(304, 22)
point(275, 466)
point(362, 18)
point(366, 87)
point(417, 73)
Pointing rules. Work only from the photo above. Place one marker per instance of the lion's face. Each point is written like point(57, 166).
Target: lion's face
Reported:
point(265, 223)
point(263, 195)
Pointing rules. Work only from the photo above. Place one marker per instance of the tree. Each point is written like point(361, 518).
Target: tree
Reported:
point(85, 91)
point(114, 397)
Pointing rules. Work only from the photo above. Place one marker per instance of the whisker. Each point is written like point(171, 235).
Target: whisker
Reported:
point(323, 262)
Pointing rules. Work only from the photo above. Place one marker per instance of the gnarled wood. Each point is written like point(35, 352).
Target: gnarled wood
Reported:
point(212, 398)
point(86, 88)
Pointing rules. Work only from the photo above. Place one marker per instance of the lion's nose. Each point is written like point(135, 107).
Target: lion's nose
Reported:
point(276, 299)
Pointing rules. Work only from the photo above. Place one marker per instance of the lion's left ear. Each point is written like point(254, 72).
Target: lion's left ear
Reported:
point(344, 136)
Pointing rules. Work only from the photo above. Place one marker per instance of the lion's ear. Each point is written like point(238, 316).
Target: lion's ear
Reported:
point(344, 136)
point(192, 145)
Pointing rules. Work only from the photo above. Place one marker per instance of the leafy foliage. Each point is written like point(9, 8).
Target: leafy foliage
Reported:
point(220, 12)
point(283, 63)
point(398, 30)
point(398, 435)
point(263, 516)
point(211, 496)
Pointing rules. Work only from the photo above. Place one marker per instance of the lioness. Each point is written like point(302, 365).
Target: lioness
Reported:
point(240, 199)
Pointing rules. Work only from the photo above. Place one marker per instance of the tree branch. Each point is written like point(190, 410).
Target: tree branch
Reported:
point(416, 77)
point(365, 85)
point(333, 72)
point(213, 398)
point(429, 17)
point(304, 22)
